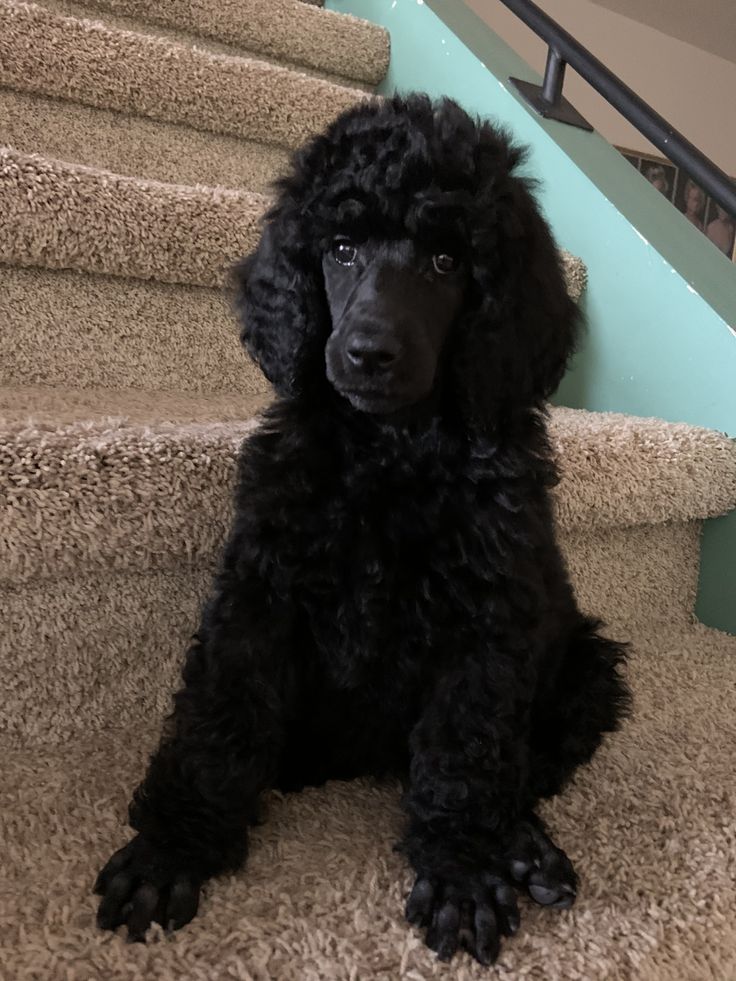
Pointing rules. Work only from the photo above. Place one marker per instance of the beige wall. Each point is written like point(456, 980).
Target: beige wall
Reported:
point(692, 89)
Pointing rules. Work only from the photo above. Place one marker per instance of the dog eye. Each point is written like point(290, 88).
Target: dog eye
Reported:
point(344, 252)
point(444, 264)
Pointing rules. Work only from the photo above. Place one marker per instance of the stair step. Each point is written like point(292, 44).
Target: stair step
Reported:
point(621, 470)
point(77, 330)
point(49, 413)
point(635, 577)
point(64, 216)
point(649, 823)
point(135, 146)
point(52, 214)
point(86, 10)
point(151, 483)
point(113, 462)
point(112, 639)
point(84, 61)
point(284, 30)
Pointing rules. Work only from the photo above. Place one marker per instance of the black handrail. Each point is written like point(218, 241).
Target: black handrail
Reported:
point(564, 49)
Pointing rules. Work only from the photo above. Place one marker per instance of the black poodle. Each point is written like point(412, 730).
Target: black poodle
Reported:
point(391, 599)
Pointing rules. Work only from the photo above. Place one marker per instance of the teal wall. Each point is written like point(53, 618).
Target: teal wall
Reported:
point(661, 299)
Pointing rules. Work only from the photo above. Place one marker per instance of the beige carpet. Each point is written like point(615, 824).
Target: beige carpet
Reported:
point(159, 493)
point(141, 141)
point(84, 61)
point(65, 216)
point(64, 329)
point(280, 29)
point(134, 145)
point(117, 502)
point(650, 825)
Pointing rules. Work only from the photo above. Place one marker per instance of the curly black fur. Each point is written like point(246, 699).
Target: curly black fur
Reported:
point(392, 598)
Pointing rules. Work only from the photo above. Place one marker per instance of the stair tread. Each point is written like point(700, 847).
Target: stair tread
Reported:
point(86, 475)
point(75, 460)
point(632, 470)
point(334, 44)
point(92, 411)
point(60, 215)
point(135, 146)
point(52, 213)
point(85, 61)
point(660, 787)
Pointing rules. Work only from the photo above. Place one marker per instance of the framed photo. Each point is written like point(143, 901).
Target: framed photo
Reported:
point(691, 200)
point(688, 197)
point(663, 176)
point(721, 229)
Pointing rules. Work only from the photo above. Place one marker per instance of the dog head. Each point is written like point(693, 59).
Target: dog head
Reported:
point(392, 304)
point(405, 257)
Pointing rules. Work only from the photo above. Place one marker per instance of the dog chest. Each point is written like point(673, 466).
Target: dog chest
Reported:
point(398, 576)
point(393, 554)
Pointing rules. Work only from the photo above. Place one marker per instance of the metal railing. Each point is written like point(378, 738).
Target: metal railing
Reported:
point(548, 101)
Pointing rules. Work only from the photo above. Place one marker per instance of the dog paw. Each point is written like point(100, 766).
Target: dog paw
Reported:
point(141, 885)
point(471, 911)
point(539, 866)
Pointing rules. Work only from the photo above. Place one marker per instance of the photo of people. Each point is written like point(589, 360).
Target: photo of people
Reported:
point(689, 198)
point(661, 176)
point(720, 228)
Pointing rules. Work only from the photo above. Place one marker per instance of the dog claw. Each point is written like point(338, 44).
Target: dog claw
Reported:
point(471, 912)
point(547, 896)
point(537, 864)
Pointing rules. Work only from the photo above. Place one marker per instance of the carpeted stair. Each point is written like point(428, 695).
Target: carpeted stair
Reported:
point(138, 143)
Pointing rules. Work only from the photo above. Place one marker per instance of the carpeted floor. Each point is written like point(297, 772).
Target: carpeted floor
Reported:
point(651, 826)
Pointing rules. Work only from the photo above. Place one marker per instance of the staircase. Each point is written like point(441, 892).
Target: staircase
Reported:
point(137, 145)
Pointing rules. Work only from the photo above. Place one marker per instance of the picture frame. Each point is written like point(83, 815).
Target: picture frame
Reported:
point(688, 197)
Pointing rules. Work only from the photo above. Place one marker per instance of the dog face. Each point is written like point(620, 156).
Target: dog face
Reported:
point(405, 256)
point(392, 305)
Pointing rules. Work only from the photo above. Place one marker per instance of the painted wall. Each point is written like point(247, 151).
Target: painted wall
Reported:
point(688, 86)
point(661, 301)
point(709, 24)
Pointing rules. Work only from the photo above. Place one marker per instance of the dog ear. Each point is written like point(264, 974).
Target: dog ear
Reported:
point(514, 344)
point(279, 301)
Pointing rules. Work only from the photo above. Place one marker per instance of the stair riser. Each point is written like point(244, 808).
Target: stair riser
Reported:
point(79, 331)
point(102, 650)
point(134, 146)
point(636, 577)
point(82, 61)
point(93, 652)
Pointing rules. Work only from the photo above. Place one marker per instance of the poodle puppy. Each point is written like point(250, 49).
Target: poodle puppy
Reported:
point(391, 599)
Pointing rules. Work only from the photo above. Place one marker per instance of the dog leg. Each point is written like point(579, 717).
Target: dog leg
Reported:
point(218, 752)
point(467, 787)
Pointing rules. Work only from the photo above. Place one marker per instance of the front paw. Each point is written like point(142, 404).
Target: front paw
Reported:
point(538, 865)
point(470, 910)
point(141, 885)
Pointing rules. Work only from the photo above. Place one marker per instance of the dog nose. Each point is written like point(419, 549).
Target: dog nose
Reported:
point(371, 354)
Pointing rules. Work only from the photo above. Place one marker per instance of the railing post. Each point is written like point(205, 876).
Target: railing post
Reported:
point(547, 98)
point(554, 77)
